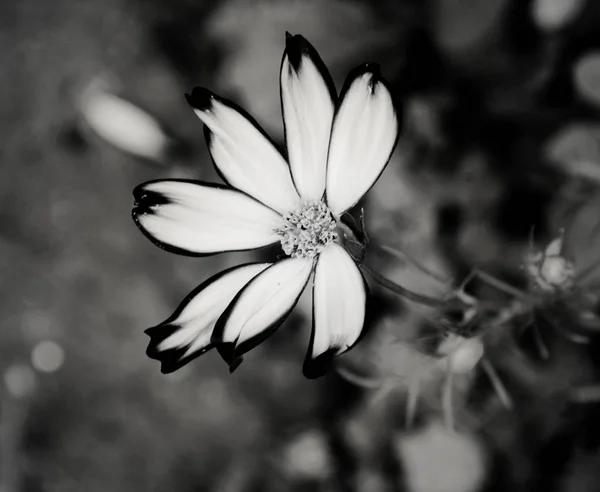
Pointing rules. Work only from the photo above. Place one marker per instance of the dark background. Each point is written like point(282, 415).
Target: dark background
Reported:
point(501, 108)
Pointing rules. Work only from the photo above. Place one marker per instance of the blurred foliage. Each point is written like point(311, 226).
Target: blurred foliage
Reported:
point(500, 139)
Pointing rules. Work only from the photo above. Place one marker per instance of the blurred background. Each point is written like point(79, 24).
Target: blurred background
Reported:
point(501, 136)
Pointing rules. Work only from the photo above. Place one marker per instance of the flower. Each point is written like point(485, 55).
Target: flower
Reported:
point(550, 270)
point(336, 148)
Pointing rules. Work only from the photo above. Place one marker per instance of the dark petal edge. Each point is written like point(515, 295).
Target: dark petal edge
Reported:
point(170, 359)
point(295, 47)
point(145, 201)
point(231, 352)
point(202, 100)
point(318, 367)
point(376, 77)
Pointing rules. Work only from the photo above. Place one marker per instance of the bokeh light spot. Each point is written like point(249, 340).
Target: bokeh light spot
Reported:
point(47, 356)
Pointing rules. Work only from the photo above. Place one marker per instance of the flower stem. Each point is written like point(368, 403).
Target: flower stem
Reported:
point(499, 284)
point(497, 384)
point(403, 256)
point(539, 341)
point(447, 404)
point(412, 399)
point(356, 380)
point(398, 289)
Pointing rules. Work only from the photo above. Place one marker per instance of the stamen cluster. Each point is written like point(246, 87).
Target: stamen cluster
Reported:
point(306, 232)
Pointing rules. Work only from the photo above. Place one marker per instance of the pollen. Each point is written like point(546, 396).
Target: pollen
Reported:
point(304, 233)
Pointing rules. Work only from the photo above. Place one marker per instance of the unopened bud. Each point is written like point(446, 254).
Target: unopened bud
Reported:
point(123, 124)
point(461, 354)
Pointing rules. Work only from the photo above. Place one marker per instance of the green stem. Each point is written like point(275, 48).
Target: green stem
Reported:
point(499, 284)
point(447, 405)
point(403, 256)
point(412, 399)
point(497, 384)
point(398, 289)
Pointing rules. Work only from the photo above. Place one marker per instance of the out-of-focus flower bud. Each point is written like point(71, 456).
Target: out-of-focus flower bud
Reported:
point(47, 356)
point(461, 354)
point(450, 450)
point(20, 380)
point(575, 148)
point(306, 457)
point(587, 77)
point(552, 15)
point(123, 124)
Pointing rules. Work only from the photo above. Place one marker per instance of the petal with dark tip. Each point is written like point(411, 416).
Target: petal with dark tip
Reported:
point(242, 152)
point(308, 100)
point(194, 218)
point(261, 307)
point(365, 130)
point(187, 333)
point(339, 306)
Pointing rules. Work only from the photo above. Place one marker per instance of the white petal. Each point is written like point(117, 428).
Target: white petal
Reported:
point(339, 303)
point(242, 152)
point(364, 134)
point(555, 247)
point(198, 218)
point(187, 333)
point(308, 103)
point(262, 306)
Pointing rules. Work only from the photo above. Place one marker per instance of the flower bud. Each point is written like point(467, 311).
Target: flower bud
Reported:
point(461, 354)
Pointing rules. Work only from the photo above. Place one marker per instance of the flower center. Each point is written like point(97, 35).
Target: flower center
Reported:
point(306, 232)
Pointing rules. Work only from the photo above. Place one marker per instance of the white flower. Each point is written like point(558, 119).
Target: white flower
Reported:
point(550, 270)
point(336, 149)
